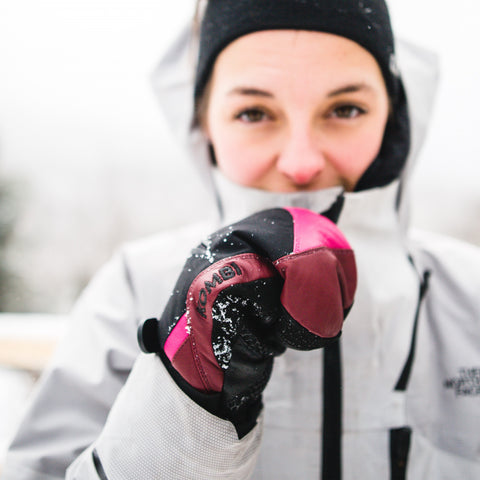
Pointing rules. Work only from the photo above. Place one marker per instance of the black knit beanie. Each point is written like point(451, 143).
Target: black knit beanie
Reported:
point(365, 22)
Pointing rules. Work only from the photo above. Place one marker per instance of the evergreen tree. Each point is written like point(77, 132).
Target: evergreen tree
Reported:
point(7, 220)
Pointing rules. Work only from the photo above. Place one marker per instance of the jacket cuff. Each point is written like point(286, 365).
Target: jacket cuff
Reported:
point(155, 430)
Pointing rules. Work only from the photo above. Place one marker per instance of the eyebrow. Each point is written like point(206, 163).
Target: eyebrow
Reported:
point(250, 91)
point(357, 87)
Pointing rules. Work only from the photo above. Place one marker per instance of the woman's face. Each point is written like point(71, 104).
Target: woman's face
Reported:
point(294, 110)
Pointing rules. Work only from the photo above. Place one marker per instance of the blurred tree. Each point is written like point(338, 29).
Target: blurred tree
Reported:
point(7, 221)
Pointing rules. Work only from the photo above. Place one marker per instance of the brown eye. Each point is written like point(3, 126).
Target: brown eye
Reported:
point(347, 111)
point(251, 115)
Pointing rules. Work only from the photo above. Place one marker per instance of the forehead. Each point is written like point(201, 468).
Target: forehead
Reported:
point(295, 55)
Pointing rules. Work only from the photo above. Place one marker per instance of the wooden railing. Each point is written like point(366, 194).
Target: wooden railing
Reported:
point(27, 342)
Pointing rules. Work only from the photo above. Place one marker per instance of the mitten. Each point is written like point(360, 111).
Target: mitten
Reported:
point(280, 278)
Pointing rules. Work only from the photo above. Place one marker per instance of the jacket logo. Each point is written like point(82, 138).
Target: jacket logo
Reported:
point(466, 383)
point(225, 273)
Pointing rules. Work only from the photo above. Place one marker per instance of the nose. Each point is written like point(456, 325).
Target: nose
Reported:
point(301, 158)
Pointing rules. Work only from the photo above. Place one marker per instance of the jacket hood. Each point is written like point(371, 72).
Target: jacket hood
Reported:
point(173, 82)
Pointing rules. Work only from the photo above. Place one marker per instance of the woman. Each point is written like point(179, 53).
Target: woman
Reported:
point(298, 104)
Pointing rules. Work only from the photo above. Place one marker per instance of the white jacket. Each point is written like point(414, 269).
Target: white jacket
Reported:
point(410, 362)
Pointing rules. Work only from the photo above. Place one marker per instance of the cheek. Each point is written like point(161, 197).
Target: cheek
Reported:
point(355, 154)
point(244, 162)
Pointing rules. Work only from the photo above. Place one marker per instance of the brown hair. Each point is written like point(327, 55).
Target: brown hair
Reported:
point(201, 103)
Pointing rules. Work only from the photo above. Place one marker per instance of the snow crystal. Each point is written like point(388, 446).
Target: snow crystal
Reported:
point(173, 324)
point(225, 314)
point(209, 255)
point(223, 352)
point(365, 9)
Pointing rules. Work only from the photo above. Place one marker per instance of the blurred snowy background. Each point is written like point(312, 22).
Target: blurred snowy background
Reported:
point(84, 154)
point(86, 161)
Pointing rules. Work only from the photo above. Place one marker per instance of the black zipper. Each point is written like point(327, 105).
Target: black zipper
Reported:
point(332, 413)
point(400, 438)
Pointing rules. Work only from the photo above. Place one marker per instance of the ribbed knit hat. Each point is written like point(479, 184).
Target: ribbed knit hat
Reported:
point(365, 22)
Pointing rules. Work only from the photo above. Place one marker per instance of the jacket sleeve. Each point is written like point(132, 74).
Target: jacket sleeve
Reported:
point(74, 395)
point(155, 431)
